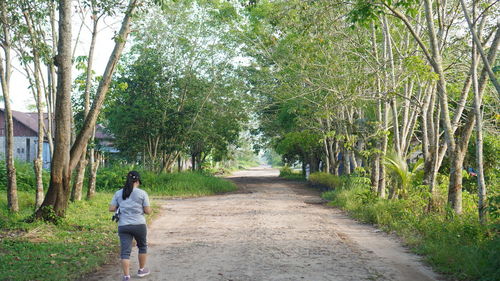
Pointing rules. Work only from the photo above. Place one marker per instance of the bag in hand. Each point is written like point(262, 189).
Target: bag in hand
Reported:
point(116, 216)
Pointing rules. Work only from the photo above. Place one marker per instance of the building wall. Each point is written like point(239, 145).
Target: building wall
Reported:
point(25, 140)
point(25, 148)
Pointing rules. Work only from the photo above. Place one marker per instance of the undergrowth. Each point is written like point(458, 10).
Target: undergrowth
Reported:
point(25, 175)
point(173, 184)
point(288, 173)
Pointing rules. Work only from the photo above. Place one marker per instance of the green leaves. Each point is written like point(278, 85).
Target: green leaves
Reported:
point(178, 88)
point(365, 12)
point(297, 145)
point(419, 68)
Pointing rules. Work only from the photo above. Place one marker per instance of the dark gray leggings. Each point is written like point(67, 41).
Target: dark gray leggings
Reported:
point(129, 232)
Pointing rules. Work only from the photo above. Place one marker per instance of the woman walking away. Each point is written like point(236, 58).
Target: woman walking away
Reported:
point(132, 203)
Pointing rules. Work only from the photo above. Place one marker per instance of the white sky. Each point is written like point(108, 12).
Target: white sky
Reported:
point(21, 95)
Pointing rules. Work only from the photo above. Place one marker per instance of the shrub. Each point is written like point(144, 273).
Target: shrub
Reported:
point(170, 184)
point(325, 179)
point(338, 182)
point(25, 176)
point(288, 173)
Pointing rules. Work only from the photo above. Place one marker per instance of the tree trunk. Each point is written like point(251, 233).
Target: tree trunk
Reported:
point(457, 155)
point(193, 162)
point(334, 157)
point(199, 161)
point(59, 188)
point(76, 193)
point(430, 142)
point(346, 162)
point(38, 162)
point(353, 160)
point(49, 99)
point(435, 149)
point(66, 156)
point(327, 155)
point(375, 166)
point(93, 167)
point(482, 199)
point(382, 171)
point(481, 184)
point(374, 174)
point(51, 77)
point(93, 164)
point(455, 187)
point(392, 191)
point(314, 164)
point(179, 164)
point(85, 133)
point(5, 72)
point(395, 127)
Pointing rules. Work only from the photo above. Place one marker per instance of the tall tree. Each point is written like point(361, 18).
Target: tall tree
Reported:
point(98, 10)
point(35, 45)
point(67, 156)
point(58, 192)
point(438, 21)
point(6, 22)
point(478, 114)
point(172, 98)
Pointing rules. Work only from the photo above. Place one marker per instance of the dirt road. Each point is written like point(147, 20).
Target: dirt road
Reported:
point(271, 229)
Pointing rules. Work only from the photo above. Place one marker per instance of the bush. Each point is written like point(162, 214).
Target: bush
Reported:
point(25, 176)
point(325, 179)
point(172, 184)
point(288, 173)
point(338, 182)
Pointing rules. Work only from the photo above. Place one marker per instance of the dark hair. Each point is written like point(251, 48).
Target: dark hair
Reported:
point(132, 177)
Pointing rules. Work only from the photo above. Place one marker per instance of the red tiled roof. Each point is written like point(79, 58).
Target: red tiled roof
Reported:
point(30, 120)
point(27, 119)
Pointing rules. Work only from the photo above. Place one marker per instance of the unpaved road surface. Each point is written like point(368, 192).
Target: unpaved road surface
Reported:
point(271, 229)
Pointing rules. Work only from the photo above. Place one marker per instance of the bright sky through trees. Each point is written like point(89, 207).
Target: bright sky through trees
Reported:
point(22, 98)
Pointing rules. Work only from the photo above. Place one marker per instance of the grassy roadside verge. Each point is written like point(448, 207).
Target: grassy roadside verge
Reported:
point(455, 245)
point(40, 251)
point(86, 237)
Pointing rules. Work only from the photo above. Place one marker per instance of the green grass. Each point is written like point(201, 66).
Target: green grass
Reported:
point(455, 245)
point(40, 251)
point(288, 173)
point(86, 237)
point(183, 184)
point(337, 182)
point(186, 184)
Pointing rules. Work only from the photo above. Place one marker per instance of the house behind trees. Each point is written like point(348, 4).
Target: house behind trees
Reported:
point(25, 137)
